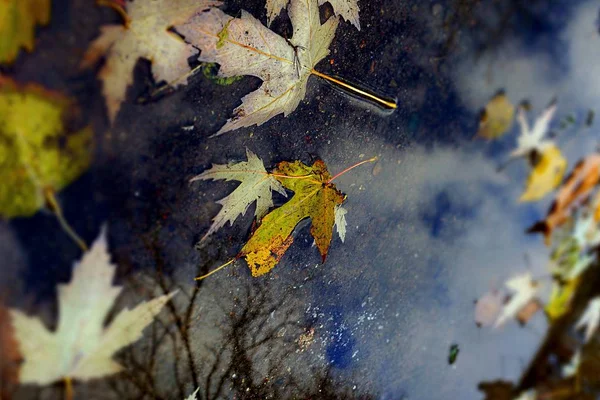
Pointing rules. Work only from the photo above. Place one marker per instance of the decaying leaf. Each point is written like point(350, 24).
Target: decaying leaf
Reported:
point(9, 354)
point(546, 175)
point(497, 117)
point(314, 197)
point(590, 318)
point(81, 347)
point(487, 308)
point(256, 185)
point(347, 9)
point(145, 35)
point(525, 289)
point(528, 311)
point(38, 152)
point(18, 19)
point(576, 189)
point(243, 46)
point(340, 222)
point(532, 140)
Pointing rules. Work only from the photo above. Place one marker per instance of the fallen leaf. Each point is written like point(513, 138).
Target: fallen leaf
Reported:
point(256, 185)
point(560, 298)
point(576, 189)
point(38, 153)
point(570, 369)
point(497, 117)
point(528, 311)
point(18, 19)
point(193, 395)
point(81, 347)
point(243, 46)
point(532, 140)
point(487, 308)
point(590, 318)
point(146, 34)
point(314, 197)
point(340, 221)
point(546, 175)
point(525, 289)
point(347, 9)
point(9, 355)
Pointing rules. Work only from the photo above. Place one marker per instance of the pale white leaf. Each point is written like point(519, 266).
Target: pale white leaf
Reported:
point(533, 139)
point(347, 9)
point(570, 369)
point(81, 347)
point(524, 289)
point(256, 185)
point(340, 221)
point(590, 318)
point(243, 46)
point(193, 395)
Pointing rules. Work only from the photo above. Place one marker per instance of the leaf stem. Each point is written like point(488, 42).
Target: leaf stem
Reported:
point(68, 388)
point(57, 210)
point(199, 278)
point(372, 159)
point(358, 91)
point(118, 8)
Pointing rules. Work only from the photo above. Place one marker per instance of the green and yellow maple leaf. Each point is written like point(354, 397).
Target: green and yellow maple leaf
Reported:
point(18, 19)
point(38, 154)
point(315, 197)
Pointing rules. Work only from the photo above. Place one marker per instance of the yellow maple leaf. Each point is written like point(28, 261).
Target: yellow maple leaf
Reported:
point(546, 175)
point(17, 25)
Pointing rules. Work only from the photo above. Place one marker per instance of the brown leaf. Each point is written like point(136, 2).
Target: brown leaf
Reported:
point(9, 355)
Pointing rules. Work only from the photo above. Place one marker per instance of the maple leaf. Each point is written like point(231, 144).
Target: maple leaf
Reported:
point(243, 46)
point(193, 395)
point(256, 185)
point(576, 189)
point(497, 117)
point(525, 289)
point(532, 140)
point(347, 9)
point(17, 25)
point(38, 154)
point(145, 35)
point(81, 347)
point(590, 318)
point(315, 197)
point(546, 175)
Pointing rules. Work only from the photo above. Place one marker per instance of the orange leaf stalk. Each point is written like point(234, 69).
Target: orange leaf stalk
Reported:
point(117, 7)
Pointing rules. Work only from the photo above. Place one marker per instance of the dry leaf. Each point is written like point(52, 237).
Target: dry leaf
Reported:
point(497, 117)
point(347, 9)
point(546, 175)
point(243, 46)
point(145, 35)
point(18, 19)
point(81, 347)
point(314, 197)
point(256, 185)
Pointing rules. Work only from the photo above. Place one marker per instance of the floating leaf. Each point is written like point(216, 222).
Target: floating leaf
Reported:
point(249, 48)
point(18, 19)
point(546, 175)
point(81, 347)
point(532, 140)
point(347, 9)
point(256, 185)
point(38, 152)
point(340, 222)
point(497, 117)
point(315, 197)
point(146, 34)
point(525, 289)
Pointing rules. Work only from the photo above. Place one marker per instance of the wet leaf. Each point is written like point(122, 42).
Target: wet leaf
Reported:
point(560, 298)
point(525, 290)
point(532, 140)
point(314, 197)
point(340, 222)
point(38, 151)
point(576, 189)
point(546, 175)
point(256, 185)
point(249, 48)
point(146, 35)
point(347, 9)
point(81, 347)
point(497, 117)
point(18, 19)
point(590, 318)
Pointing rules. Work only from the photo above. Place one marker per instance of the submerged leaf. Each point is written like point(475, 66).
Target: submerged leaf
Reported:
point(250, 48)
point(38, 152)
point(18, 19)
point(256, 185)
point(546, 175)
point(81, 347)
point(497, 117)
point(314, 197)
point(145, 35)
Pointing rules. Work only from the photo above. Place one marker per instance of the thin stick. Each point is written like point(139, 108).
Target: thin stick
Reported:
point(363, 93)
point(57, 210)
point(199, 278)
point(68, 388)
point(372, 159)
